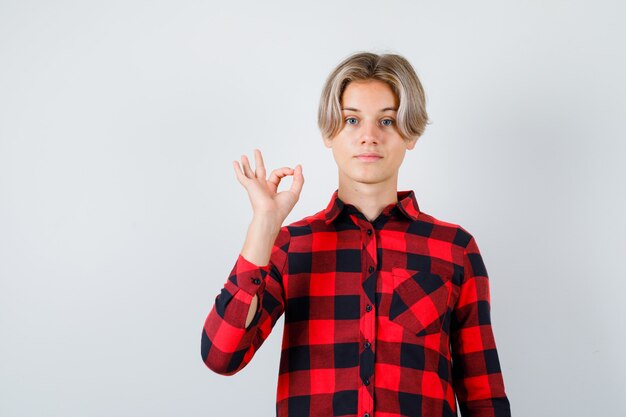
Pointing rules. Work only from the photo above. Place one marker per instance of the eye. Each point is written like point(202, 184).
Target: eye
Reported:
point(349, 119)
point(384, 122)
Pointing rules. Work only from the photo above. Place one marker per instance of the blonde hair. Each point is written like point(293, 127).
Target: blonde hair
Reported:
point(392, 69)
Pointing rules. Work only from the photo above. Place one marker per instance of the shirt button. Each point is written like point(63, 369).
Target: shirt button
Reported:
point(366, 382)
point(368, 308)
point(369, 231)
point(256, 281)
point(367, 345)
point(370, 269)
point(366, 415)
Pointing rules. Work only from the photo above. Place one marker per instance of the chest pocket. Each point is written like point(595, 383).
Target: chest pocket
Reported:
point(419, 300)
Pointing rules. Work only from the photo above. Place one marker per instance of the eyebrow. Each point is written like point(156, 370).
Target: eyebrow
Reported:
point(358, 111)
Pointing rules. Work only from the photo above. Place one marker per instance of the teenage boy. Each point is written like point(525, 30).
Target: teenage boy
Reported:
point(387, 308)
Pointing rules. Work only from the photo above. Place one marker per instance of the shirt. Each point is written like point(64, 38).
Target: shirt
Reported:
point(383, 318)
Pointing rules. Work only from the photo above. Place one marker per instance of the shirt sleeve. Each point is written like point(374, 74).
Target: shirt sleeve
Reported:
point(227, 345)
point(476, 373)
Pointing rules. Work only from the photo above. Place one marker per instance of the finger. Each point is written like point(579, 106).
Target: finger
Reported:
point(279, 173)
point(240, 175)
point(298, 181)
point(246, 167)
point(276, 176)
point(258, 161)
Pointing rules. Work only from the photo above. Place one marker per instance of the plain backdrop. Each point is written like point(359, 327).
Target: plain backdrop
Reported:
point(121, 216)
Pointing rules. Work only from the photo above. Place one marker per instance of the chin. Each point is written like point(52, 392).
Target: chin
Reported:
point(367, 179)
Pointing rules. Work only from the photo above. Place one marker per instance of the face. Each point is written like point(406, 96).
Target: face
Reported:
point(369, 114)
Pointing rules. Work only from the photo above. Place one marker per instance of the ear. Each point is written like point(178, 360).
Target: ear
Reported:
point(328, 142)
point(410, 144)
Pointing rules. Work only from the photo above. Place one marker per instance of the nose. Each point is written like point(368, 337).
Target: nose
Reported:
point(370, 132)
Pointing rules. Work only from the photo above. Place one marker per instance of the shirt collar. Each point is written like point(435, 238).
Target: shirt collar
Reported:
point(406, 204)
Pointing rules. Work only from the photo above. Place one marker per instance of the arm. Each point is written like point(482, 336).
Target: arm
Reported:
point(257, 250)
point(252, 299)
point(237, 325)
point(478, 381)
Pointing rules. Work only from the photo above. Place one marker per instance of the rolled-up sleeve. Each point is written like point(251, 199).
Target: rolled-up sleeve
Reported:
point(227, 345)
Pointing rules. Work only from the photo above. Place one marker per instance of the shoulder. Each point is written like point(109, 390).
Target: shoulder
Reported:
point(445, 229)
point(307, 225)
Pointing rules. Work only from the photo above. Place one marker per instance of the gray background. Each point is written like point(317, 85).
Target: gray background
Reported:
point(121, 216)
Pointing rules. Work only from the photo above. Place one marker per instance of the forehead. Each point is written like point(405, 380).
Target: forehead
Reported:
point(369, 92)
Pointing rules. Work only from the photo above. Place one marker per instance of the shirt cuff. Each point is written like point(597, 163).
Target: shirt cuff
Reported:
point(249, 277)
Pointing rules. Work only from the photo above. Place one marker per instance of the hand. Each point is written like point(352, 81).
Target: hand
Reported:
point(262, 192)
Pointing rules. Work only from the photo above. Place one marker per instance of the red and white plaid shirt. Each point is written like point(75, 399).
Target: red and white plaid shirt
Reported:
point(386, 318)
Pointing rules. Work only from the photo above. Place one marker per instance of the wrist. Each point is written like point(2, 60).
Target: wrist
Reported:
point(266, 223)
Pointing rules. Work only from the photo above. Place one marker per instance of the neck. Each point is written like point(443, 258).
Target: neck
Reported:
point(369, 199)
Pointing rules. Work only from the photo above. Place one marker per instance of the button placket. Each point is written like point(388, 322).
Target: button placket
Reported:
point(368, 321)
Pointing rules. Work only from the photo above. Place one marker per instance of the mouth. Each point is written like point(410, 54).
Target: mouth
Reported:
point(368, 158)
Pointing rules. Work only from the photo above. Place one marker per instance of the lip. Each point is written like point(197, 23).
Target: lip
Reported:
point(369, 157)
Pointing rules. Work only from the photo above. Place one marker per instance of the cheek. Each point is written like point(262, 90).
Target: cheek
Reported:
point(397, 158)
point(339, 154)
point(341, 150)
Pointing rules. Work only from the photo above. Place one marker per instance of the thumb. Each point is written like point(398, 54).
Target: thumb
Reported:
point(298, 180)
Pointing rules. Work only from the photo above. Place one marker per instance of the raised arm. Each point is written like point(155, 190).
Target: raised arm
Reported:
point(251, 300)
